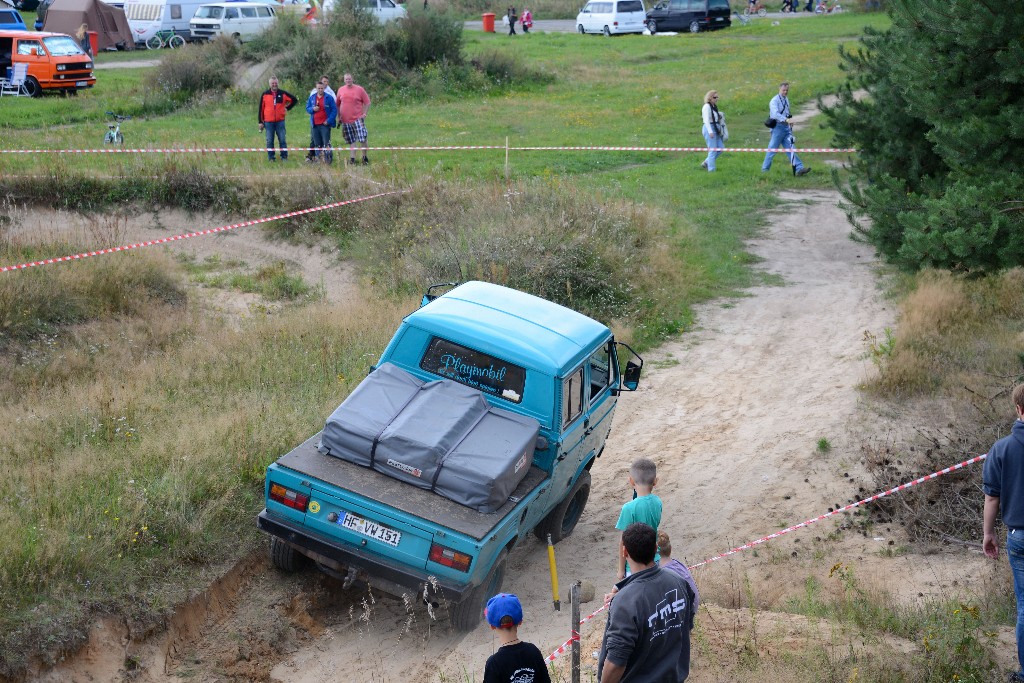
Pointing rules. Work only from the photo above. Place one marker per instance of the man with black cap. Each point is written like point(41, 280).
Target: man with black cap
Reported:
point(515, 661)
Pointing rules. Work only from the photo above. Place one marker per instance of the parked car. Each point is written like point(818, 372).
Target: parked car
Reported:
point(10, 19)
point(689, 15)
point(611, 17)
point(384, 10)
point(238, 20)
point(55, 61)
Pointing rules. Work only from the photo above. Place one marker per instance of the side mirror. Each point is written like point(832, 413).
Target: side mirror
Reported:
point(630, 380)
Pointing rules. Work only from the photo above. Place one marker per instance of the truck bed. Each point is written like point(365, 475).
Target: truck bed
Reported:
point(410, 499)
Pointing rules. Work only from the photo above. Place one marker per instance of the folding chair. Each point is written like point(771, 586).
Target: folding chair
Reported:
point(15, 85)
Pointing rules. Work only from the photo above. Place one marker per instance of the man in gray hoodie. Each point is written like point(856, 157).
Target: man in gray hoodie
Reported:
point(647, 638)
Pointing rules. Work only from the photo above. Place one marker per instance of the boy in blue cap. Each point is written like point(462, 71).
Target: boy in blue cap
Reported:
point(515, 661)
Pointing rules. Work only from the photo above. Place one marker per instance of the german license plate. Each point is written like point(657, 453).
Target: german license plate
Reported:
point(81, 84)
point(373, 530)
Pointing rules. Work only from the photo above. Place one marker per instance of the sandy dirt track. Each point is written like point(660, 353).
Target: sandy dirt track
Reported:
point(731, 412)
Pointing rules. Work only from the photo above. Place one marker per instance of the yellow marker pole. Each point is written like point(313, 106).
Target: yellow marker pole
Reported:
point(554, 575)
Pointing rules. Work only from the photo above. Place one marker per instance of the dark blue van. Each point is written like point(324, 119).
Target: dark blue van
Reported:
point(689, 15)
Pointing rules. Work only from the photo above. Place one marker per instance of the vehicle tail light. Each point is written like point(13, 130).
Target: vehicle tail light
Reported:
point(450, 558)
point(292, 499)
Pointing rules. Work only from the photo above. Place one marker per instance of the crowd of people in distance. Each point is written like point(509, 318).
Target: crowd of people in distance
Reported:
point(327, 109)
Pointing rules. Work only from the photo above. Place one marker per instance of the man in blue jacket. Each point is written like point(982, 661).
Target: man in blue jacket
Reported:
point(323, 114)
point(647, 638)
point(1003, 484)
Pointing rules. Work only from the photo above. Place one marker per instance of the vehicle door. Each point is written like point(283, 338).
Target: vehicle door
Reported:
point(719, 13)
point(573, 430)
point(250, 22)
point(675, 15)
point(266, 17)
point(599, 400)
point(389, 11)
point(32, 52)
point(232, 23)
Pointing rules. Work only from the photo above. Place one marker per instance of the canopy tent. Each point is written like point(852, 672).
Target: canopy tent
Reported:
point(66, 16)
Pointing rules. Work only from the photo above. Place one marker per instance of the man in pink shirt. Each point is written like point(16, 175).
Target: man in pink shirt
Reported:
point(353, 103)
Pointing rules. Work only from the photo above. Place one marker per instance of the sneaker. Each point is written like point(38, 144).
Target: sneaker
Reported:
point(804, 170)
point(366, 161)
point(704, 164)
point(352, 161)
point(271, 159)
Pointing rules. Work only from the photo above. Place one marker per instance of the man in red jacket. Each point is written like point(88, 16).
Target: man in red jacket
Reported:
point(274, 104)
point(353, 103)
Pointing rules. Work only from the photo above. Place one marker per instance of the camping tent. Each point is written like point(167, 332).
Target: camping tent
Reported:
point(66, 16)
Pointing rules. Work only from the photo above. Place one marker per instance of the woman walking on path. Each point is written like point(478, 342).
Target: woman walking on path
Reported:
point(713, 129)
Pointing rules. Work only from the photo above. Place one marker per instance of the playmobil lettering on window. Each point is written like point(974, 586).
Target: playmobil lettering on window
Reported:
point(475, 369)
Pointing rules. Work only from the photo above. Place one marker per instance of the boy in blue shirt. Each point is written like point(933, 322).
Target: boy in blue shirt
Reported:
point(645, 506)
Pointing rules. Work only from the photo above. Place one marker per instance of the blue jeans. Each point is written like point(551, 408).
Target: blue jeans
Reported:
point(782, 136)
point(714, 143)
point(1015, 551)
point(322, 141)
point(272, 128)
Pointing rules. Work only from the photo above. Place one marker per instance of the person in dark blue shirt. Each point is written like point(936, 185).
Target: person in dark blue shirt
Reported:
point(1003, 484)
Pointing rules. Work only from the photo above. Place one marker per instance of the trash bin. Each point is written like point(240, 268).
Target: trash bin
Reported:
point(94, 42)
point(488, 22)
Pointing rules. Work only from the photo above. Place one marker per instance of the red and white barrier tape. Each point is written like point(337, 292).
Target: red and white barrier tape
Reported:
point(221, 150)
point(562, 648)
point(210, 231)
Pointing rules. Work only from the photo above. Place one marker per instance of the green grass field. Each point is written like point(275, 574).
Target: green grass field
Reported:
point(136, 443)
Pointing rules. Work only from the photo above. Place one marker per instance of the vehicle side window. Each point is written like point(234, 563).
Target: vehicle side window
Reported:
point(679, 5)
point(231, 13)
point(263, 11)
point(25, 47)
point(387, 3)
point(175, 11)
point(600, 372)
point(248, 12)
point(572, 397)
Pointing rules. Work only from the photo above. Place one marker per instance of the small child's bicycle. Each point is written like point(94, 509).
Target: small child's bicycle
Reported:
point(166, 38)
point(824, 8)
point(113, 136)
point(755, 7)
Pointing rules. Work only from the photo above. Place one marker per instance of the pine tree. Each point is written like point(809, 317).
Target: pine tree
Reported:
point(938, 178)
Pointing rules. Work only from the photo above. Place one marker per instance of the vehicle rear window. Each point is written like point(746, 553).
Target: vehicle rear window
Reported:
point(719, 4)
point(474, 369)
point(631, 6)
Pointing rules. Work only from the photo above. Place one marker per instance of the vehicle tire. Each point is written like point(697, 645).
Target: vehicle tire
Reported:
point(606, 32)
point(284, 557)
point(154, 43)
point(762, 12)
point(237, 37)
point(176, 41)
point(580, 29)
point(694, 27)
point(32, 87)
point(468, 613)
point(561, 521)
point(652, 26)
point(119, 139)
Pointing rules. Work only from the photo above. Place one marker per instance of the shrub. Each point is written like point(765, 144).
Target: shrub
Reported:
point(505, 68)
point(424, 38)
point(196, 69)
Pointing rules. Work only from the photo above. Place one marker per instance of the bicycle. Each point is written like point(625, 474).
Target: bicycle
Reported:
point(162, 39)
point(114, 136)
point(823, 8)
point(757, 7)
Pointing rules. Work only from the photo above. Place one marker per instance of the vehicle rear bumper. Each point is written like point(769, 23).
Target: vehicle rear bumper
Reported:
point(379, 572)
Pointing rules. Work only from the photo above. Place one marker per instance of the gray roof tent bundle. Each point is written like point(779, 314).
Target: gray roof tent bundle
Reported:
point(440, 435)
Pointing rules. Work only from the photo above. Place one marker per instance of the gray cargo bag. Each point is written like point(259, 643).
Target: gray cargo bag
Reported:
point(440, 435)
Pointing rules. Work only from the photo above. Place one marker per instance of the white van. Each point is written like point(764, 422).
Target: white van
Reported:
point(384, 10)
point(238, 20)
point(612, 16)
point(146, 17)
